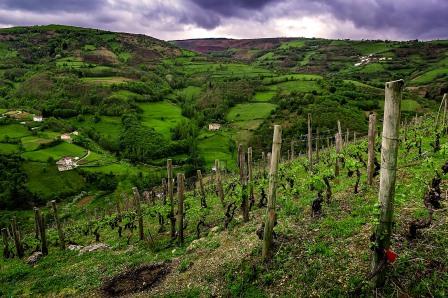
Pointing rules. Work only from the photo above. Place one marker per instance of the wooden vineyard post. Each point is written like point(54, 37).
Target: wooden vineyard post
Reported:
point(317, 144)
point(292, 151)
point(371, 148)
point(169, 167)
point(268, 164)
point(243, 180)
point(201, 189)
point(389, 152)
point(270, 212)
point(6, 252)
point(218, 178)
point(180, 207)
point(445, 100)
point(139, 212)
point(339, 128)
point(338, 145)
point(354, 137)
point(250, 174)
point(58, 225)
point(42, 232)
point(16, 237)
point(310, 144)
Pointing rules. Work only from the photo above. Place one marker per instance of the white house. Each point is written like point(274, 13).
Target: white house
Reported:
point(66, 137)
point(214, 126)
point(37, 118)
point(66, 164)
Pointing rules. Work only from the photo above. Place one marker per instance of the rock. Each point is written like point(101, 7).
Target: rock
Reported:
point(74, 247)
point(215, 229)
point(94, 247)
point(36, 256)
point(194, 244)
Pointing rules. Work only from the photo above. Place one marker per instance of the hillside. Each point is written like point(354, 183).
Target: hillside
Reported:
point(324, 254)
point(91, 111)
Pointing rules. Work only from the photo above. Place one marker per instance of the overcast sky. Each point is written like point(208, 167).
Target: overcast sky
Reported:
point(182, 19)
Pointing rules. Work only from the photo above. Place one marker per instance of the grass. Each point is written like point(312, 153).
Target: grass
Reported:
point(366, 48)
point(8, 148)
point(190, 92)
point(162, 116)
point(13, 131)
point(263, 96)
point(250, 111)
point(298, 86)
point(71, 62)
point(292, 44)
point(55, 152)
point(106, 80)
point(215, 145)
point(31, 143)
point(107, 127)
point(47, 182)
point(429, 76)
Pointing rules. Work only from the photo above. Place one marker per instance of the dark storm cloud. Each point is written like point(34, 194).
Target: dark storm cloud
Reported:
point(404, 19)
point(413, 18)
point(232, 7)
point(52, 5)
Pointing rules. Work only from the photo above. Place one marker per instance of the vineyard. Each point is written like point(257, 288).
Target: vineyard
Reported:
point(285, 224)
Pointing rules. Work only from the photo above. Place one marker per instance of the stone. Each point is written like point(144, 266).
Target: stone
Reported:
point(74, 247)
point(94, 247)
point(36, 256)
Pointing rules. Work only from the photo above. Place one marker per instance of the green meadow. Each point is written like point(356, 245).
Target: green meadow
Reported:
point(55, 152)
point(13, 131)
point(162, 116)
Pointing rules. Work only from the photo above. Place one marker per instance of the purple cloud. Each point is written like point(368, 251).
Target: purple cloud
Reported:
point(403, 19)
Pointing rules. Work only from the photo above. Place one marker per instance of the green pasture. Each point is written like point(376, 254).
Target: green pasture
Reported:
point(105, 80)
point(189, 92)
point(292, 44)
point(71, 62)
point(162, 116)
point(430, 76)
point(299, 86)
point(47, 182)
point(8, 148)
point(55, 152)
point(13, 131)
point(366, 48)
point(263, 96)
point(216, 145)
point(250, 111)
point(108, 126)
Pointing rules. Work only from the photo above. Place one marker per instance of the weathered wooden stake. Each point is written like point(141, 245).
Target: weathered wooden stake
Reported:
point(58, 225)
point(243, 180)
point(317, 144)
point(389, 152)
point(292, 150)
point(6, 252)
point(371, 148)
point(347, 137)
point(169, 167)
point(180, 207)
point(219, 188)
point(310, 144)
point(42, 232)
point(445, 99)
point(139, 212)
point(270, 212)
point(338, 145)
point(354, 137)
point(250, 175)
point(202, 189)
